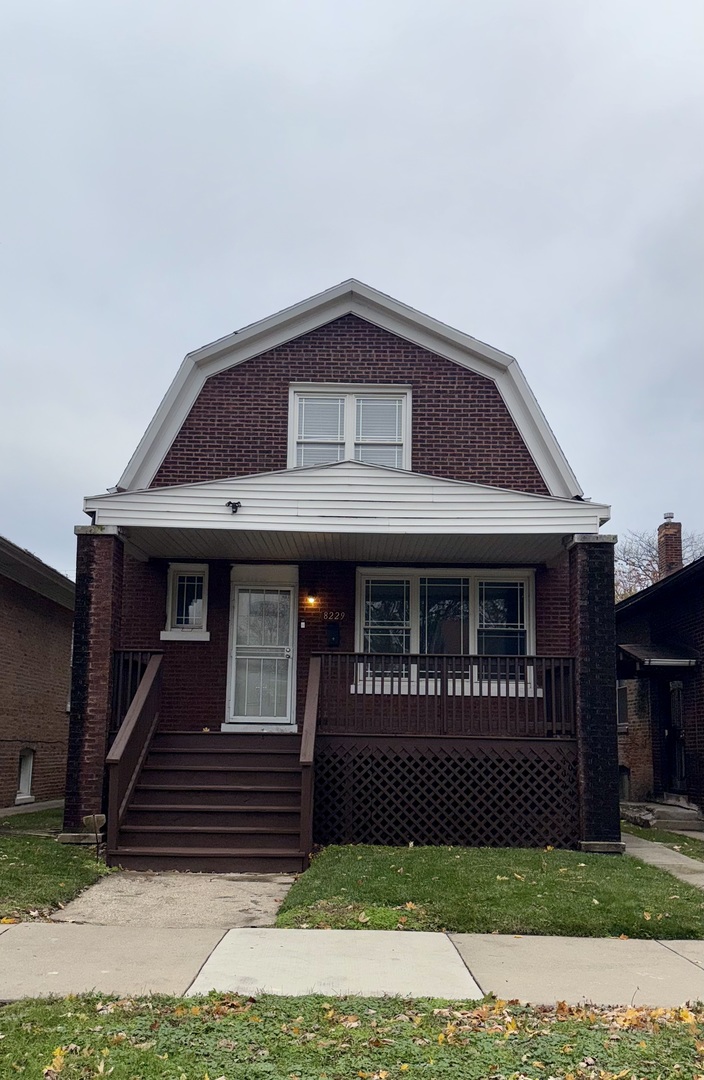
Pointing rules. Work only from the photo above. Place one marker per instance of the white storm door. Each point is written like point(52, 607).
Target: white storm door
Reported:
point(262, 661)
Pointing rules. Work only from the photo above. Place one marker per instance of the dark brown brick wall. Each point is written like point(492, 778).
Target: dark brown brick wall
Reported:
point(675, 616)
point(461, 427)
point(593, 646)
point(635, 749)
point(195, 673)
point(35, 636)
point(96, 634)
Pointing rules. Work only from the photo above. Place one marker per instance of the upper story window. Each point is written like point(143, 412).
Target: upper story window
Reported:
point(338, 423)
point(187, 603)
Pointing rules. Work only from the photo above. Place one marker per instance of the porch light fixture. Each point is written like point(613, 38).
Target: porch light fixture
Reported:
point(311, 599)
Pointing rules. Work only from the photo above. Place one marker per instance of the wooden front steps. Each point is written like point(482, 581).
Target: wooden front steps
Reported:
point(215, 801)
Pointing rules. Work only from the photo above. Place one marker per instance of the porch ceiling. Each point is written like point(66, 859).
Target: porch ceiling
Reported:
point(176, 543)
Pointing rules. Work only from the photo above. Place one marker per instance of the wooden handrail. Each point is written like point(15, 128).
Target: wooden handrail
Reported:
point(444, 695)
point(131, 746)
point(307, 756)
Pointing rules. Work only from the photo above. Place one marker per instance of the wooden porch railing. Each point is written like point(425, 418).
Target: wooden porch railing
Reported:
point(131, 746)
point(128, 668)
point(494, 696)
point(307, 755)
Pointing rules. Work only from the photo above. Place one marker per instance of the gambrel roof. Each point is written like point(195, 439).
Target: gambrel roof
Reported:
point(352, 297)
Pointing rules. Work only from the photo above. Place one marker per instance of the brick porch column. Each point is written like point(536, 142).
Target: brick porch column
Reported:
point(95, 635)
point(591, 561)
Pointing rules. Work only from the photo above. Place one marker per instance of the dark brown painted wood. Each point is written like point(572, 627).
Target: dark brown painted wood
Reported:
point(494, 696)
point(131, 746)
point(307, 756)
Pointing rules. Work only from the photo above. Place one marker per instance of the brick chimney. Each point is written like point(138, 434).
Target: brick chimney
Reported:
point(669, 546)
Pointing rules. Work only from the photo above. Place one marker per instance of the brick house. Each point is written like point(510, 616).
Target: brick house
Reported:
point(36, 616)
point(347, 590)
point(660, 636)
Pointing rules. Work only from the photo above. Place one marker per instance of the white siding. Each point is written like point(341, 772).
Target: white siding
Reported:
point(348, 497)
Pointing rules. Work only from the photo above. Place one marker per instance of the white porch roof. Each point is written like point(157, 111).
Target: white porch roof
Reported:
point(348, 510)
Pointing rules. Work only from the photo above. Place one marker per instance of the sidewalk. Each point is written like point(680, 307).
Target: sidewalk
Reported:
point(680, 866)
point(38, 959)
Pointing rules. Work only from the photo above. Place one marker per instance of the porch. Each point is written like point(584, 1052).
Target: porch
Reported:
point(393, 749)
point(342, 654)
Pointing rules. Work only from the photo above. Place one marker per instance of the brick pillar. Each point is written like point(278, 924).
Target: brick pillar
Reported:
point(593, 646)
point(95, 635)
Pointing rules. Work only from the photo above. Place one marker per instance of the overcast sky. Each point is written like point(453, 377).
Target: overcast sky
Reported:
point(529, 171)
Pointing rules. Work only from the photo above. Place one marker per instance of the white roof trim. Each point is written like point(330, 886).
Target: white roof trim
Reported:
point(351, 297)
point(347, 497)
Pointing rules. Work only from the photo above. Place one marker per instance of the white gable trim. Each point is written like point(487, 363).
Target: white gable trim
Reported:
point(347, 497)
point(351, 297)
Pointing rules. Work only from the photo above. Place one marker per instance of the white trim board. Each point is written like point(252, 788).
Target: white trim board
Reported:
point(347, 497)
point(352, 297)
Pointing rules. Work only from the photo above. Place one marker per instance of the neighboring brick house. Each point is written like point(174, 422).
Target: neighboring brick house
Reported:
point(348, 589)
point(660, 637)
point(36, 616)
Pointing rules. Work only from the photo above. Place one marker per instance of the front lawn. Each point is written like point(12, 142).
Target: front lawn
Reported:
point(32, 821)
point(307, 1038)
point(492, 890)
point(37, 874)
point(686, 845)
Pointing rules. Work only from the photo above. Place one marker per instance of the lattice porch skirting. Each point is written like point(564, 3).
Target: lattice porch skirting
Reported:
point(470, 792)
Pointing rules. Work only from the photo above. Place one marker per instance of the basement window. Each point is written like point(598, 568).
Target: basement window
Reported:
point(24, 778)
point(187, 603)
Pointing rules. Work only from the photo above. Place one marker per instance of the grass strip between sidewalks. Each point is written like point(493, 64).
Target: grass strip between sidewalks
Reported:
point(686, 845)
point(492, 890)
point(225, 1037)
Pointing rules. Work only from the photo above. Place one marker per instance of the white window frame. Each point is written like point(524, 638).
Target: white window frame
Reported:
point(379, 684)
point(185, 633)
point(25, 764)
point(351, 391)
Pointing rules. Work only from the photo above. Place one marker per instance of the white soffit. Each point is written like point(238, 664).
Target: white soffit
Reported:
point(352, 297)
point(347, 497)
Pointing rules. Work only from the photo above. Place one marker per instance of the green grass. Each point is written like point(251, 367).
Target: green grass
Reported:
point(311, 1038)
point(38, 821)
point(37, 874)
point(687, 845)
point(492, 890)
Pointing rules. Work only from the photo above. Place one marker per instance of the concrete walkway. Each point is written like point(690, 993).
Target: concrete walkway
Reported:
point(38, 959)
point(177, 900)
point(680, 866)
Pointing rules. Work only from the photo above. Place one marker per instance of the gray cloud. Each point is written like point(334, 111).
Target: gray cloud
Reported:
point(529, 172)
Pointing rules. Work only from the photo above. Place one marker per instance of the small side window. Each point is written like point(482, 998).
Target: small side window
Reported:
point(24, 777)
point(187, 603)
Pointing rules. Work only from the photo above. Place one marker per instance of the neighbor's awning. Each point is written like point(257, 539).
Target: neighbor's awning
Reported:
point(672, 656)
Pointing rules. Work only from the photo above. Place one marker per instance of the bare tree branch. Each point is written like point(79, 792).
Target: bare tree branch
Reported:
point(637, 560)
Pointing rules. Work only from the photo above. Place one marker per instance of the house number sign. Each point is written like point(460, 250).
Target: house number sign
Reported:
point(333, 616)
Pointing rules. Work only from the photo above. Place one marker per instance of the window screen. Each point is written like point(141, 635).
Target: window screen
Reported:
point(501, 623)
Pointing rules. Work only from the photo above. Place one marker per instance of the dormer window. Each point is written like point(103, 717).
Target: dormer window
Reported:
point(338, 423)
